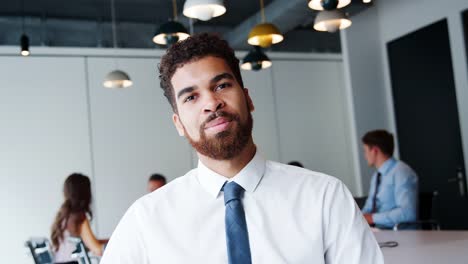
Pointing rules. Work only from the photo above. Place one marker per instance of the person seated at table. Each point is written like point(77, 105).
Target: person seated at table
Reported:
point(155, 182)
point(393, 194)
point(72, 220)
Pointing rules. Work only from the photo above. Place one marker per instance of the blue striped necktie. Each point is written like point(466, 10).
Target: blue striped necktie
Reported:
point(237, 237)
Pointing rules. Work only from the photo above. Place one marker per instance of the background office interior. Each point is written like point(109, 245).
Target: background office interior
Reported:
point(322, 93)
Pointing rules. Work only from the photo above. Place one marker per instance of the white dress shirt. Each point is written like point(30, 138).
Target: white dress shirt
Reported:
point(293, 216)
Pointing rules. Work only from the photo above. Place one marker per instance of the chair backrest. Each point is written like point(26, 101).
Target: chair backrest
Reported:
point(40, 250)
point(426, 204)
point(360, 201)
point(426, 219)
point(80, 253)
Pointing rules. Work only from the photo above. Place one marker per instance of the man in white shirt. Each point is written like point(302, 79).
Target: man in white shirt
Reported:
point(235, 207)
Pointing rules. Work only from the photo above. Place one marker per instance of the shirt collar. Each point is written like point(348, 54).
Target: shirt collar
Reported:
point(249, 177)
point(387, 165)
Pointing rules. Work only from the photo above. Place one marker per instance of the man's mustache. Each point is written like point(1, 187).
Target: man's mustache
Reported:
point(217, 114)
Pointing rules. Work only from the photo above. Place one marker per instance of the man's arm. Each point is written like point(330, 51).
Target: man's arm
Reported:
point(348, 238)
point(406, 199)
point(368, 205)
point(126, 243)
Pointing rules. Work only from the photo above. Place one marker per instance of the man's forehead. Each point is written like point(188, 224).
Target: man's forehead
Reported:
point(200, 69)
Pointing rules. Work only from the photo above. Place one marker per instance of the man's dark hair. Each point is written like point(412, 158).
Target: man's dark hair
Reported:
point(381, 139)
point(192, 49)
point(296, 163)
point(157, 177)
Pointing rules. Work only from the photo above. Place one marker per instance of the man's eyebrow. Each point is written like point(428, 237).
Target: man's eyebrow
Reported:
point(184, 91)
point(221, 76)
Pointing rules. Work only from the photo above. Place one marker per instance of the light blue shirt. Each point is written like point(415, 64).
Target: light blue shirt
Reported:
point(397, 196)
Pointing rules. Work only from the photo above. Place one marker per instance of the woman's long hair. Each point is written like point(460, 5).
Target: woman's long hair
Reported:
point(75, 208)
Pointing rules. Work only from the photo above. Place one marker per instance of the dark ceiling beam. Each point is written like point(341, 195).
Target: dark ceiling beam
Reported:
point(285, 14)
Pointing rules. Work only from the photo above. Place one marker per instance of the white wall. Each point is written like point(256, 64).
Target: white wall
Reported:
point(313, 121)
point(365, 57)
point(43, 138)
point(133, 137)
point(57, 119)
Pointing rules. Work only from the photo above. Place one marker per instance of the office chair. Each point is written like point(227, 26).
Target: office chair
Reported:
point(360, 201)
point(40, 250)
point(81, 252)
point(426, 220)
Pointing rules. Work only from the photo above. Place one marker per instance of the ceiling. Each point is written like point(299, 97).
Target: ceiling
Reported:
point(87, 23)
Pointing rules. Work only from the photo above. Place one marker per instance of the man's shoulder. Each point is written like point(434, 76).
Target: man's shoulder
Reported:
point(403, 169)
point(170, 190)
point(297, 175)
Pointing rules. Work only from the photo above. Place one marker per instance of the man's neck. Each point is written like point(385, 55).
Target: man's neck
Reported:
point(230, 168)
point(381, 160)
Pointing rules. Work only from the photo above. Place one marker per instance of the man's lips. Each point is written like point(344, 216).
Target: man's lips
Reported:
point(220, 122)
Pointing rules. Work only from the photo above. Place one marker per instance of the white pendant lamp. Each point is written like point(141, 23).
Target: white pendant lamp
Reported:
point(204, 9)
point(116, 78)
point(328, 4)
point(331, 21)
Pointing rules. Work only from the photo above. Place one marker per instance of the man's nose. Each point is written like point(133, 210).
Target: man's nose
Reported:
point(213, 103)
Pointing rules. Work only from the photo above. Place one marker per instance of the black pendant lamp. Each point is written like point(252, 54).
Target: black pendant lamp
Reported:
point(24, 45)
point(24, 40)
point(171, 31)
point(256, 60)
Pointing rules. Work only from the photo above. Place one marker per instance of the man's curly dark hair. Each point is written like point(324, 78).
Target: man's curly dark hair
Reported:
point(192, 49)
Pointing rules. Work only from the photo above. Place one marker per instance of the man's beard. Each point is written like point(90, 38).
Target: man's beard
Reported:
point(226, 144)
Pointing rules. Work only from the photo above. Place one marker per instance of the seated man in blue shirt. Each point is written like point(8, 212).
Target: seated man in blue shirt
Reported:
point(393, 194)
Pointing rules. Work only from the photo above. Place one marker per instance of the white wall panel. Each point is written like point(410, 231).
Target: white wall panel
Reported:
point(312, 116)
point(265, 133)
point(133, 137)
point(43, 138)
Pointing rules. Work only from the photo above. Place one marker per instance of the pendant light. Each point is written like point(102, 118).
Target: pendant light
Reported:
point(331, 21)
point(256, 60)
point(116, 78)
point(24, 45)
point(204, 9)
point(264, 34)
point(24, 40)
point(172, 31)
point(328, 4)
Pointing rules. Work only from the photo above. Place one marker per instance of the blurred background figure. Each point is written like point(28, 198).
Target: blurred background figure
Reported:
point(156, 181)
point(296, 163)
point(393, 194)
point(72, 220)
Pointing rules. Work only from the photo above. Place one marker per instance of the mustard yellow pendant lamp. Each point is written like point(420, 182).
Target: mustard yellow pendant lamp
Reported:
point(264, 34)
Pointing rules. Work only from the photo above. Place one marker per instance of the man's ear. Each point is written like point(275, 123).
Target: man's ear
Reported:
point(249, 100)
point(178, 125)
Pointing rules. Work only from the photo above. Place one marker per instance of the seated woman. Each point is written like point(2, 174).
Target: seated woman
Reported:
point(73, 219)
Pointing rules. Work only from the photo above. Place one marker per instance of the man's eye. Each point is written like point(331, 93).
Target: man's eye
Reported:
point(222, 86)
point(189, 98)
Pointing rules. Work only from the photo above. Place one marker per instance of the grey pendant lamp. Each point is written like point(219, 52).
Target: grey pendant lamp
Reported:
point(256, 60)
point(171, 31)
point(116, 78)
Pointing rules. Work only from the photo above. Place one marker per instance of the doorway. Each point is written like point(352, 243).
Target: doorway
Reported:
point(427, 119)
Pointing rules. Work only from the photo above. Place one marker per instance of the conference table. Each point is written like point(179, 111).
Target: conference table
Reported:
point(424, 247)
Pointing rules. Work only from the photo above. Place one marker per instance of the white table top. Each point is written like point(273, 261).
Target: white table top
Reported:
point(424, 247)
